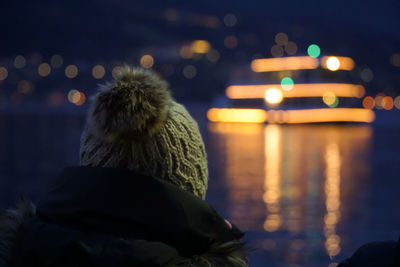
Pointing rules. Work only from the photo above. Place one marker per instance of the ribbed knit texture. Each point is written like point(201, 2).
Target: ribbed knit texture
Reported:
point(175, 153)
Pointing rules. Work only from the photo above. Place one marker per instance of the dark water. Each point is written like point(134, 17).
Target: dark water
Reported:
point(306, 195)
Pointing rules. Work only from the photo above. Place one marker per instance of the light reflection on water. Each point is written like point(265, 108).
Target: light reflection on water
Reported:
point(291, 181)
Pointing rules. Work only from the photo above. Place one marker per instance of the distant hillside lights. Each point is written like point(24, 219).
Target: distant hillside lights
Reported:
point(397, 102)
point(230, 20)
point(368, 102)
point(3, 73)
point(283, 45)
point(231, 41)
point(381, 101)
point(44, 69)
point(171, 15)
point(56, 61)
point(116, 71)
point(98, 72)
point(395, 60)
point(147, 61)
point(367, 75)
point(76, 97)
point(25, 87)
point(19, 62)
point(71, 71)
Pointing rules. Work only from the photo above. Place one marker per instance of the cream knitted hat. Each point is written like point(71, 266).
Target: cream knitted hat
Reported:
point(134, 123)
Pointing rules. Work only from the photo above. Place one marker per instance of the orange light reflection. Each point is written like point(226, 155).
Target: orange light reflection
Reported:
point(272, 195)
point(332, 193)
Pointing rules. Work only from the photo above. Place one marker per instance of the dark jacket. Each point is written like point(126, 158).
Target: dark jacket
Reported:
point(375, 254)
point(116, 217)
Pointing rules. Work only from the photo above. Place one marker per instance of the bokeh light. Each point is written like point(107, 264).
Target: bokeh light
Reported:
point(189, 71)
point(171, 14)
point(291, 48)
point(272, 223)
point(25, 87)
point(387, 102)
point(70, 94)
point(200, 46)
point(76, 97)
point(98, 72)
point(147, 61)
point(230, 20)
point(19, 62)
point(273, 96)
point(213, 55)
point(333, 63)
point(368, 102)
point(378, 100)
point(212, 22)
point(330, 99)
point(281, 38)
point(276, 51)
point(3, 73)
point(36, 59)
point(44, 69)
point(231, 41)
point(395, 60)
point(56, 98)
point(337, 63)
point(79, 98)
point(56, 61)
point(397, 102)
point(71, 71)
point(186, 52)
point(313, 50)
point(367, 75)
point(116, 71)
point(287, 83)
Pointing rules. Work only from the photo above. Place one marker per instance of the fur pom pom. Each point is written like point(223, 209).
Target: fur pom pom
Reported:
point(134, 106)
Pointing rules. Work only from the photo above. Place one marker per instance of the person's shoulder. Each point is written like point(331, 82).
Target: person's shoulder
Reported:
point(227, 254)
point(375, 254)
point(10, 222)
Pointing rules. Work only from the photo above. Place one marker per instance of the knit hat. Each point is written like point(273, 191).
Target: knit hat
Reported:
point(134, 123)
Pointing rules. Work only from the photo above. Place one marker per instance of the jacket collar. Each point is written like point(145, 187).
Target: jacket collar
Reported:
point(127, 204)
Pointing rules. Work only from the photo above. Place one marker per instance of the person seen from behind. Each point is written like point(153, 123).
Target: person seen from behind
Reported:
point(138, 197)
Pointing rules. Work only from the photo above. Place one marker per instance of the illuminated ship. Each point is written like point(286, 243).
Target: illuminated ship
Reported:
point(290, 102)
